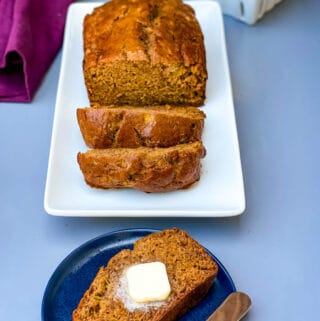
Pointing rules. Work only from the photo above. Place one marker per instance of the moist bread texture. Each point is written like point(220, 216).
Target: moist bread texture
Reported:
point(191, 272)
point(127, 126)
point(143, 168)
point(144, 52)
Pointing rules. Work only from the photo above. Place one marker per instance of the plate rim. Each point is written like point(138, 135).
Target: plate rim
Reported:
point(64, 263)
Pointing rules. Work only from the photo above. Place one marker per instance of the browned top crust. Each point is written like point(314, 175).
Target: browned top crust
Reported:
point(190, 269)
point(152, 126)
point(143, 30)
point(143, 168)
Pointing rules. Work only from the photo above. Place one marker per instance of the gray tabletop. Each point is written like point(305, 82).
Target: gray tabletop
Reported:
point(272, 251)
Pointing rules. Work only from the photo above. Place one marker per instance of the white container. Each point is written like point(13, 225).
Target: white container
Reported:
point(249, 11)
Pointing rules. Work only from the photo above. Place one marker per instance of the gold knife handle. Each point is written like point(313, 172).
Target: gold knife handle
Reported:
point(233, 308)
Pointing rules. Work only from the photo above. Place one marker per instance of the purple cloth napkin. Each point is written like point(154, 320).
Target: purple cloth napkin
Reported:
point(31, 33)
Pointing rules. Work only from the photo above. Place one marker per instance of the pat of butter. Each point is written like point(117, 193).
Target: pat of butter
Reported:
point(148, 282)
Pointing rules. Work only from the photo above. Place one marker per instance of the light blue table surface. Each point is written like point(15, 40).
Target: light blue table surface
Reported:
point(272, 251)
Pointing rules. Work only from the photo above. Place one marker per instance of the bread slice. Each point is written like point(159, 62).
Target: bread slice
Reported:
point(145, 52)
point(146, 169)
point(191, 272)
point(127, 126)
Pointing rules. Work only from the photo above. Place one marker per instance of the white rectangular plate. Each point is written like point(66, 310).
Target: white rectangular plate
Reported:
point(220, 190)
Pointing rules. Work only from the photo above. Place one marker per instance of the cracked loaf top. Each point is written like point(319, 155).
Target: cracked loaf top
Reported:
point(143, 30)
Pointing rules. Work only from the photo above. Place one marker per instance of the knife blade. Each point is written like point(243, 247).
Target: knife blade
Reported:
point(233, 308)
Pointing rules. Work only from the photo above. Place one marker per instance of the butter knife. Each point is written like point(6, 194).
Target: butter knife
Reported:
point(233, 308)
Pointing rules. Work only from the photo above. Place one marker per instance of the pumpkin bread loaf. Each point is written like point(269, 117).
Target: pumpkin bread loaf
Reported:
point(143, 168)
point(191, 272)
point(127, 126)
point(144, 52)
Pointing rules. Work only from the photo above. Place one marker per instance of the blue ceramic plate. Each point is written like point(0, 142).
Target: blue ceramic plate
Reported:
point(75, 273)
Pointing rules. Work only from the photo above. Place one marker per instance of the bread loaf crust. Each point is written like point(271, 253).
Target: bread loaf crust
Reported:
point(127, 126)
point(144, 52)
point(191, 272)
point(143, 168)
